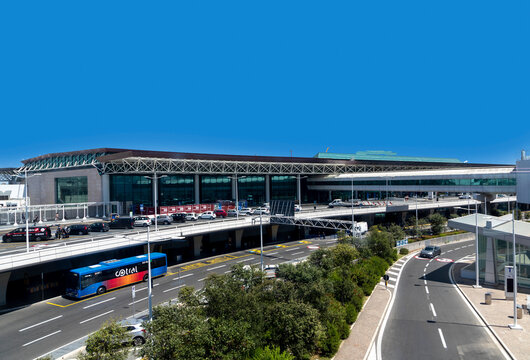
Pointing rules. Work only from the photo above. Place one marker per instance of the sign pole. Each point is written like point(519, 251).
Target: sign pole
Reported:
point(133, 296)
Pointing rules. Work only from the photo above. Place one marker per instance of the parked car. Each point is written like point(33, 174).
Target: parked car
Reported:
point(297, 208)
point(122, 223)
point(37, 233)
point(262, 211)
point(163, 219)
point(135, 330)
point(220, 213)
point(245, 211)
point(77, 229)
point(179, 217)
point(141, 221)
point(191, 217)
point(431, 251)
point(465, 196)
point(210, 215)
point(231, 212)
point(99, 226)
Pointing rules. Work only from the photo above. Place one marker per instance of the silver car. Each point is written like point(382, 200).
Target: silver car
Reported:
point(431, 251)
point(135, 330)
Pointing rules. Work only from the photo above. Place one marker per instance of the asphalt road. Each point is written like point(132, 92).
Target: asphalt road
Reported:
point(429, 319)
point(43, 327)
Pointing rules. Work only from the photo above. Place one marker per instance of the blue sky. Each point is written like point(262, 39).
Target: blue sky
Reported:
point(441, 79)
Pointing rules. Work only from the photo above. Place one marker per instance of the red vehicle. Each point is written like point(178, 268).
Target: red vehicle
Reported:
point(220, 213)
point(35, 233)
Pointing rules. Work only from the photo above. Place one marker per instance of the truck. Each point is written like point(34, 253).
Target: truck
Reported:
point(361, 227)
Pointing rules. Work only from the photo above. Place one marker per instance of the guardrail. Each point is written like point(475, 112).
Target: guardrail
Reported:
point(83, 247)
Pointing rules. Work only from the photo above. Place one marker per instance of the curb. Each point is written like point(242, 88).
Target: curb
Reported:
point(503, 345)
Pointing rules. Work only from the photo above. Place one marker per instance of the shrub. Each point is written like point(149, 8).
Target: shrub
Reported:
point(344, 330)
point(351, 313)
point(403, 251)
point(273, 353)
point(331, 340)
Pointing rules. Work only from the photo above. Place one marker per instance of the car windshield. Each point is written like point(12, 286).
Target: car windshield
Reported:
point(429, 248)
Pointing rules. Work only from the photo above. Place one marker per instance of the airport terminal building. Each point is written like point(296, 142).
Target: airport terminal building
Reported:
point(127, 177)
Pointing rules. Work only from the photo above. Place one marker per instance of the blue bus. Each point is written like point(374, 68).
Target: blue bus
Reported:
point(112, 274)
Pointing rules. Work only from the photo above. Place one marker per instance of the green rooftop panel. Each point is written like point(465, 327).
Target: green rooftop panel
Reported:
point(381, 155)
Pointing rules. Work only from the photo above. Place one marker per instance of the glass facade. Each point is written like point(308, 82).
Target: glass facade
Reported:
point(131, 189)
point(215, 188)
point(425, 182)
point(283, 187)
point(71, 190)
point(176, 190)
point(252, 189)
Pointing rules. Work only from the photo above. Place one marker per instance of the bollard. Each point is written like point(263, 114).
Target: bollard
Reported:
point(487, 298)
point(519, 312)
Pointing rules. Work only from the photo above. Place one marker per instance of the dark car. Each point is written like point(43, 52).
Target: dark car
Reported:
point(99, 226)
point(122, 223)
point(220, 213)
point(180, 217)
point(78, 229)
point(431, 251)
point(37, 233)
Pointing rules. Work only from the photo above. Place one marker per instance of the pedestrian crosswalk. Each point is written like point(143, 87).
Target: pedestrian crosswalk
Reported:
point(393, 273)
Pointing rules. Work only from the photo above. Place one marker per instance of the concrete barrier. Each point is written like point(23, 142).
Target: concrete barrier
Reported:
point(438, 241)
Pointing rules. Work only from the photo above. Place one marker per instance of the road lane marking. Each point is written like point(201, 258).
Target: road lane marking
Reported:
point(426, 289)
point(432, 309)
point(101, 302)
point(142, 299)
point(216, 267)
point(297, 253)
point(442, 338)
point(174, 288)
point(425, 281)
point(202, 279)
point(296, 248)
point(240, 261)
point(426, 266)
point(146, 288)
point(392, 272)
point(44, 337)
point(181, 277)
point(273, 253)
point(42, 322)
point(97, 316)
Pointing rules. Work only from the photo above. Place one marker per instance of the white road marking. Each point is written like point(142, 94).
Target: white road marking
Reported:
point(392, 272)
point(227, 271)
point(100, 315)
point(144, 288)
point(273, 253)
point(183, 276)
point(296, 248)
point(216, 267)
point(425, 281)
point(426, 289)
point(426, 266)
point(202, 279)
point(44, 337)
point(101, 302)
point(174, 288)
point(42, 322)
point(456, 248)
point(297, 253)
point(240, 261)
point(142, 299)
point(442, 338)
point(432, 309)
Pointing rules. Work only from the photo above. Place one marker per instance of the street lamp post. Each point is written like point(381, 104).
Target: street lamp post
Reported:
point(514, 326)
point(26, 206)
point(149, 280)
point(352, 215)
point(477, 284)
point(261, 238)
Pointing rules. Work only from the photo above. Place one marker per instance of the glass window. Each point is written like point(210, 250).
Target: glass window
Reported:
point(71, 189)
point(215, 188)
point(176, 190)
point(252, 189)
point(283, 187)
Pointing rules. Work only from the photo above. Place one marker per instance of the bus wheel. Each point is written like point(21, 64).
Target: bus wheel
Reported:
point(7, 240)
point(101, 290)
point(38, 238)
point(146, 277)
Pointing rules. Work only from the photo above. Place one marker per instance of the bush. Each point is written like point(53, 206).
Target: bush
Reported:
point(331, 341)
point(403, 251)
point(437, 223)
point(273, 353)
point(351, 312)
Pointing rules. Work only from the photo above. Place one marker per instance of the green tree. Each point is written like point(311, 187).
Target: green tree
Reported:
point(293, 326)
point(437, 223)
point(396, 232)
point(343, 255)
point(380, 244)
point(107, 343)
point(273, 353)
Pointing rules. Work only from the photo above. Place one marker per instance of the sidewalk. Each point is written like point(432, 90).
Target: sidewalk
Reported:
point(499, 314)
point(364, 330)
